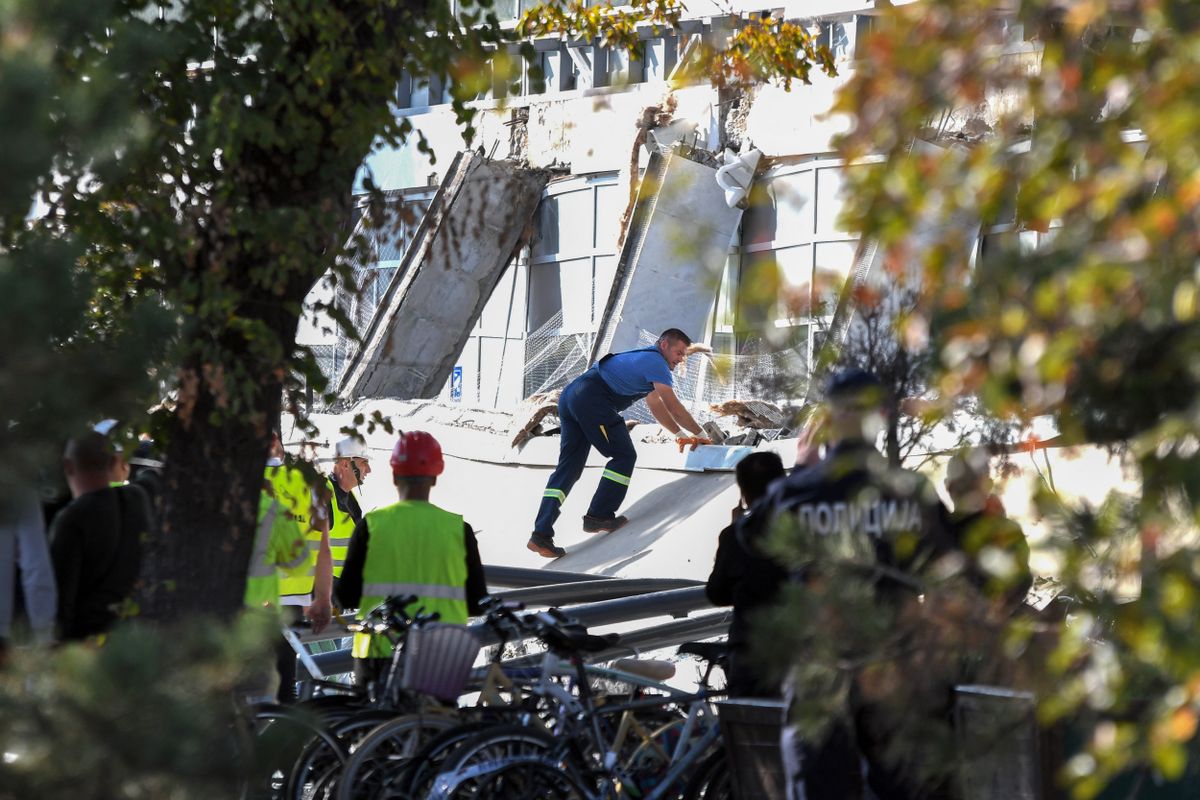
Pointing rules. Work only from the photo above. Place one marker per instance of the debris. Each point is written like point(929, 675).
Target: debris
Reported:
point(714, 432)
point(757, 414)
point(531, 413)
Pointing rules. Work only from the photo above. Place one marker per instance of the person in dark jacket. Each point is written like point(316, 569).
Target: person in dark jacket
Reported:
point(96, 540)
point(852, 517)
point(745, 578)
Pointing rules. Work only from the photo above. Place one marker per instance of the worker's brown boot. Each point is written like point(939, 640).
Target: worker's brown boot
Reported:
point(544, 546)
point(601, 524)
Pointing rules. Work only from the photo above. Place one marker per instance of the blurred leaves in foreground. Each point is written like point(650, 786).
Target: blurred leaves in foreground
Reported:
point(150, 714)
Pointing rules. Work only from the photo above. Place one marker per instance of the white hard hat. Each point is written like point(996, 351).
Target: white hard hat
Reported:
point(350, 447)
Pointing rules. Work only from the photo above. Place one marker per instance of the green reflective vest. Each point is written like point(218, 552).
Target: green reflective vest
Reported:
point(279, 546)
point(340, 531)
point(415, 548)
point(292, 491)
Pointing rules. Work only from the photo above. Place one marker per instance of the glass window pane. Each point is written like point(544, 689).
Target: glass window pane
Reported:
point(830, 198)
point(606, 271)
point(545, 238)
point(608, 217)
point(575, 278)
point(833, 262)
point(794, 207)
point(757, 291)
point(545, 294)
point(564, 224)
point(758, 223)
point(795, 284)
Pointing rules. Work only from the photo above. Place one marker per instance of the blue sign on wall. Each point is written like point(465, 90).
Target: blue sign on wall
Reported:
point(456, 385)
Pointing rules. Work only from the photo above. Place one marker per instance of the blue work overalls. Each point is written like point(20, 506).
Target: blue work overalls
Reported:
point(589, 411)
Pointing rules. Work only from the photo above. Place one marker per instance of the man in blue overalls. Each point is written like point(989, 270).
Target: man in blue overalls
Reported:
point(590, 411)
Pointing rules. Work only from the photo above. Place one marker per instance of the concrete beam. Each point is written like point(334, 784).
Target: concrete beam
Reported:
point(466, 239)
point(673, 255)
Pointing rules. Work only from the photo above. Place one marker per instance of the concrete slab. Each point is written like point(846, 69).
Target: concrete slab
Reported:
point(461, 249)
point(673, 255)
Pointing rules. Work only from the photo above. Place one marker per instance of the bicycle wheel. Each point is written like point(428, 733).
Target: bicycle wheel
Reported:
point(462, 774)
point(415, 778)
point(711, 780)
point(281, 735)
point(317, 768)
point(526, 779)
point(386, 749)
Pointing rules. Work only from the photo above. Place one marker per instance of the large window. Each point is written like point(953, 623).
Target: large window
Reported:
point(793, 258)
point(573, 257)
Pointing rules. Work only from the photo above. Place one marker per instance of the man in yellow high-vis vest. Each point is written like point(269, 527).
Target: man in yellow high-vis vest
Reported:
point(307, 590)
point(410, 547)
point(279, 551)
point(350, 467)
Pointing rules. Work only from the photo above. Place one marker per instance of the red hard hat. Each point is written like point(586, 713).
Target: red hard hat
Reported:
point(417, 454)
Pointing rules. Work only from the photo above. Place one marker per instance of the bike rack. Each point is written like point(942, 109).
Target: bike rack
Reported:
point(619, 608)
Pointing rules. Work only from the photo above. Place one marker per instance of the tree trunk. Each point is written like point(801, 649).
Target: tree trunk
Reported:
point(214, 473)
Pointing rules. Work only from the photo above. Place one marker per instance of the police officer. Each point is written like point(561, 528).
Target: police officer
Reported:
point(853, 517)
point(590, 412)
point(410, 547)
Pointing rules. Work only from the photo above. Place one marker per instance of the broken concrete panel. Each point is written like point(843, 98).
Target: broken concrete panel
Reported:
point(457, 256)
point(672, 257)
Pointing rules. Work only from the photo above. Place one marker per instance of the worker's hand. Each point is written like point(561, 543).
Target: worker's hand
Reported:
point(812, 437)
point(690, 441)
point(319, 613)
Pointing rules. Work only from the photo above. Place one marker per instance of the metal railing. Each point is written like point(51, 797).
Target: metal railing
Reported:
point(613, 600)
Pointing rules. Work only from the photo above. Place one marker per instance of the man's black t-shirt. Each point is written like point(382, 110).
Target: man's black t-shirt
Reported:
point(96, 547)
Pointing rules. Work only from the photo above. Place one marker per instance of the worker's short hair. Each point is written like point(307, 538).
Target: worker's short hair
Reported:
point(407, 479)
point(674, 335)
point(755, 473)
point(91, 452)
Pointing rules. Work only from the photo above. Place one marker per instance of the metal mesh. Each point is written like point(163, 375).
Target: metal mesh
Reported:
point(552, 360)
point(371, 272)
point(751, 375)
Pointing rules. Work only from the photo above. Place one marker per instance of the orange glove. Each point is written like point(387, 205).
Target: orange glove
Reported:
point(693, 441)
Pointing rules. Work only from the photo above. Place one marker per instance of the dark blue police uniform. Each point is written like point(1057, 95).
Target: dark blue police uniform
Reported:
point(589, 409)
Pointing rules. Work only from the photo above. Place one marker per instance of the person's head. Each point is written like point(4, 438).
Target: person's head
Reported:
point(88, 463)
point(416, 463)
point(673, 344)
point(755, 473)
point(857, 406)
point(968, 481)
point(350, 464)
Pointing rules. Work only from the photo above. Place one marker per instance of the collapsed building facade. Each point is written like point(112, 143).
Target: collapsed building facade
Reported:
point(573, 254)
point(589, 212)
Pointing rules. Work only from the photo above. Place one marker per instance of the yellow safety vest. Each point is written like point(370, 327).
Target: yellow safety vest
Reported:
point(293, 493)
point(340, 530)
point(279, 548)
point(414, 548)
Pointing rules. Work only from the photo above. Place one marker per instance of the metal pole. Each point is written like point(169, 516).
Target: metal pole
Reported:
point(521, 577)
point(583, 592)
